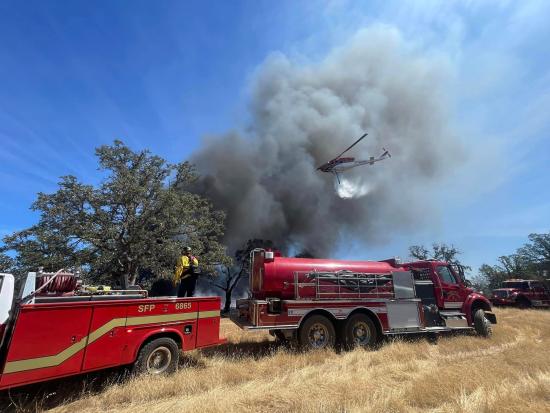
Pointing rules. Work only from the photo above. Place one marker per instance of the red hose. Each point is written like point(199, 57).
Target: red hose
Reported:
point(63, 283)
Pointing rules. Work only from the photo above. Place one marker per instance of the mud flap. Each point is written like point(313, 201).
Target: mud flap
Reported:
point(491, 317)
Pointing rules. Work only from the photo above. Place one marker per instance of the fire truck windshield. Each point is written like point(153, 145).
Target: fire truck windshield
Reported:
point(522, 285)
point(446, 275)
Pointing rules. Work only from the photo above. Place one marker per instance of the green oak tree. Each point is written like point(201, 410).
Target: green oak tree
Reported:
point(135, 221)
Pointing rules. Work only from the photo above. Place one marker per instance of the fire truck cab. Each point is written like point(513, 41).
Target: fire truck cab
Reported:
point(56, 328)
point(320, 302)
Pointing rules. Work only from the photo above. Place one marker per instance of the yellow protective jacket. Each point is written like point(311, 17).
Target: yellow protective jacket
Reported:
point(182, 267)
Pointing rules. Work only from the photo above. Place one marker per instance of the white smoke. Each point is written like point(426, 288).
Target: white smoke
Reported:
point(304, 115)
point(346, 188)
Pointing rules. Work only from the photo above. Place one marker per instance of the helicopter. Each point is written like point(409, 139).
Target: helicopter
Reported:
point(339, 164)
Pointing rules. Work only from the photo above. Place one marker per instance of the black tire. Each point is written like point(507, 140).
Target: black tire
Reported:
point(317, 333)
point(160, 356)
point(360, 331)
point(482, 326)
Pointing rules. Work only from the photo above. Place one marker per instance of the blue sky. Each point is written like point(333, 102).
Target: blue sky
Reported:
point(161, 75)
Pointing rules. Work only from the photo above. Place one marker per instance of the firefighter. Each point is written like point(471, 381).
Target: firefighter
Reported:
point(186, 273)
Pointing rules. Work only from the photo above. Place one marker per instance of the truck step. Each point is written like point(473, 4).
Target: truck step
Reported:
point(452, 314)
point(436, 329)
point(444, 329)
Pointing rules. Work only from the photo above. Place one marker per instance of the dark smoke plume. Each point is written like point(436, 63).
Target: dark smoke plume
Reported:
point(303, 115)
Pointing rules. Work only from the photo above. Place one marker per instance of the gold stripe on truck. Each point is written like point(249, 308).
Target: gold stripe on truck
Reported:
point(166, 318)
point(208, 314)
point(57, 359)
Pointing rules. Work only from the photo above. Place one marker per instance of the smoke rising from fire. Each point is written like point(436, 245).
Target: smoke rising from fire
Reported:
point(303, 115)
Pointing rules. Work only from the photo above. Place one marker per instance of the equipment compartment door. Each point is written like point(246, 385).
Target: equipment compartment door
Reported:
point(208, 326)
point(107, 337)
point(47, 342)
point(403, 315)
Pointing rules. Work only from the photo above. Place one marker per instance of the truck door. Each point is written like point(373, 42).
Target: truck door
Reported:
point(452, 292)
point(48, 341)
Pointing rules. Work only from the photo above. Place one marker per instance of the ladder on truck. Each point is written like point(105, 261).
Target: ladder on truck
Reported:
point(344, 285)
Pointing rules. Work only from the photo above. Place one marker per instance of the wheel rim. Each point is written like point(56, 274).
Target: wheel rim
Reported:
point(361, 333)
point(159, 360)
point(318, 336)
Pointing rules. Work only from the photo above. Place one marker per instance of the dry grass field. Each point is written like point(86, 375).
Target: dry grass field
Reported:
point(461, 373)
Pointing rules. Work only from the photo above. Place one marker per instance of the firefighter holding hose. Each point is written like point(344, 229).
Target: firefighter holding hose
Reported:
point(186, 273)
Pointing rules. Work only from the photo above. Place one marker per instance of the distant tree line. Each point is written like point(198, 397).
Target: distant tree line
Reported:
point(532, 261)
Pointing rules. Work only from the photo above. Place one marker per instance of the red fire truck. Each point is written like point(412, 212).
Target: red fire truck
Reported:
point(522, 294)
point(318, 302)
point(57, 329)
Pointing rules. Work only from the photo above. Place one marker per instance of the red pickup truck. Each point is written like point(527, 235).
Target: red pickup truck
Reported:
point(57, 329)
point(522, 294)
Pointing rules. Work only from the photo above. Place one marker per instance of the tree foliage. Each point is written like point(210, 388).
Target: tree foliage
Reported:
point(136, 219)
point(537, 253)
point(439, 252)
point(6, 263)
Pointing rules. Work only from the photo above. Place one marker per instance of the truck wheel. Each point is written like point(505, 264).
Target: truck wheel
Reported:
point(482, 326)
point(360, 331)
point(160, 356)
point(317, 332)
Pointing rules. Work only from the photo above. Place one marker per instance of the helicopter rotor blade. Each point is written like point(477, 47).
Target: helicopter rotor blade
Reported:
point(355, 143)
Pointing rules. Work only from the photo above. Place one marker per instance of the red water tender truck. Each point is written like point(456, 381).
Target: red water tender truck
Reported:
point(57, 329)
point(319, 302)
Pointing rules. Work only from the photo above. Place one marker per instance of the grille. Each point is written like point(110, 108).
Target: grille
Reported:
point(500, 294)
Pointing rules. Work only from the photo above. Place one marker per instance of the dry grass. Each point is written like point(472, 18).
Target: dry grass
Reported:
point(462, 373)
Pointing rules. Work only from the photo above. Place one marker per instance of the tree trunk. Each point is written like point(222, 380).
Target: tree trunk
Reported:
point(227, 305)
